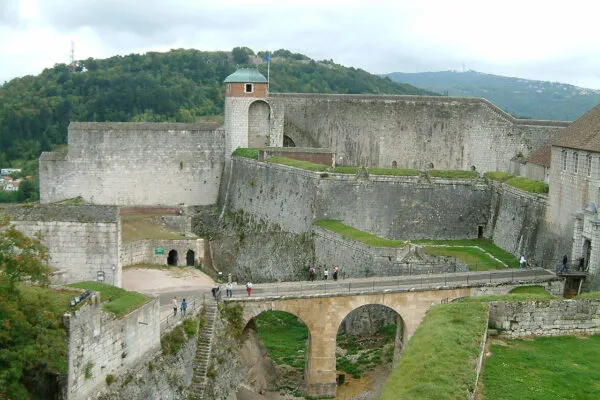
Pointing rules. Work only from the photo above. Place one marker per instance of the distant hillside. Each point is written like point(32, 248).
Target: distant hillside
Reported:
point(180, 85)
point(520, 97)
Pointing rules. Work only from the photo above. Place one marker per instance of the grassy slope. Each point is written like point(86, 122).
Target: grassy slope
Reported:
point(143, 226)
point(440, 359)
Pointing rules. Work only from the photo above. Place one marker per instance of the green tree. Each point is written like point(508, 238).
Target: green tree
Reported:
point(241, 55)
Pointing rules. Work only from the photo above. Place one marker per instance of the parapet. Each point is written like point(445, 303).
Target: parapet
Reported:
point(142, 126)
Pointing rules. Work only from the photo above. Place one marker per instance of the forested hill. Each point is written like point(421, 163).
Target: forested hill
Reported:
point(179, 85)
point(520, 97)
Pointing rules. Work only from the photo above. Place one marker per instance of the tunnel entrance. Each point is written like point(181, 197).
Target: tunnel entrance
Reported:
point(190, 258)
point(172, 258)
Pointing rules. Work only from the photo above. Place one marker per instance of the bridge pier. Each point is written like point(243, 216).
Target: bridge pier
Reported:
point(320, 371)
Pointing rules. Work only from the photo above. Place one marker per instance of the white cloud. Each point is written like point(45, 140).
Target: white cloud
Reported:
point(532, 39)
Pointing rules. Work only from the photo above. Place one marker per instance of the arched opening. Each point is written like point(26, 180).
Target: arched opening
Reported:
point(172, 258)
point(369, 339)
point(288, 141)
point(430, 166)
point(190, 258)
point(473, 168)
point(394, 164)
point(274, 349)
point(259, 115)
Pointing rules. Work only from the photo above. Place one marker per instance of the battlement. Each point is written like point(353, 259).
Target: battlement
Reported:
point(141, 126)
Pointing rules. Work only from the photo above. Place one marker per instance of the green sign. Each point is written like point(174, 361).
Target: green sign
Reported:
point(159, 250)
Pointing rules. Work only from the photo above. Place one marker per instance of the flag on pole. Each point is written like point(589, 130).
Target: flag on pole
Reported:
point(266, 58)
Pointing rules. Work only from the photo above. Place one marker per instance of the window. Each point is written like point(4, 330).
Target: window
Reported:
point(248, 88)
point(563, 155)
point(229, 88)
point(589, 165)
point(575, 162)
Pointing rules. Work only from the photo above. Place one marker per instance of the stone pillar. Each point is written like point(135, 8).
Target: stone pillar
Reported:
point(594, 262)
point(320, 371)
point(577, 249)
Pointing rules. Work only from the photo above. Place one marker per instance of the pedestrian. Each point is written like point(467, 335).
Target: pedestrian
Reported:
point(336, 271)
point(183, 307)
point(214, 292)
point(229, 289)
point(312, 272)
point(249, 288)
point(326, 273)
point(522, 262)
point(174, 302)
point(563, 267)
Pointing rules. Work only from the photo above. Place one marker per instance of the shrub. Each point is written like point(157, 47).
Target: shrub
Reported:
point(190, 326)
point(173, 341)
point(110, 379)
point(87, 371)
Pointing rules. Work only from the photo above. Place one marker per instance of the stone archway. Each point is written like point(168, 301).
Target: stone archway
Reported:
point(374, 330)
point(190, 258)
point(288, 141)
point(172, 258)
point(288, 344)
point(259, 122)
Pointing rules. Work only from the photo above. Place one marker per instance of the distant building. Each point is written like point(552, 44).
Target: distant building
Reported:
point(9, 171)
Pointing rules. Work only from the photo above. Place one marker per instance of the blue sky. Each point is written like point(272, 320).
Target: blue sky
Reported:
point(526, 38)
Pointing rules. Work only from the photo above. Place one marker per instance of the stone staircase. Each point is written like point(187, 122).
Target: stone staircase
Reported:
point(203, 350)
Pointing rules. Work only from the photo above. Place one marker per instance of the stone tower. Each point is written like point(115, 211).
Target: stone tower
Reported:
point(247, 111)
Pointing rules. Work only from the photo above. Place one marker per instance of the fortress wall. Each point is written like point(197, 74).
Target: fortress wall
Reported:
point(144, 251)
point(108, 344)
point(414, 131)
point(136, 164)
point(406, 207)
point(81, 240)
point(276, 193)
point(546, 318)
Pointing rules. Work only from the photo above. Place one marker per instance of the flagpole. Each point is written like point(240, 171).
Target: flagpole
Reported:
point(268, 69)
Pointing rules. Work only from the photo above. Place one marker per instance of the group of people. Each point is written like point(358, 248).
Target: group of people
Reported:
point(176, 306)
point(312, 273)
point(216, 291)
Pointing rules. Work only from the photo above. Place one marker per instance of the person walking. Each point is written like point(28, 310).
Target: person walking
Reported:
point(183, 307)
point(249, 288)
point(336, 271)
point(312, 272)
point(174, 302)
point(563, 267)
point(229, 289)
point(522, 262)
point(326, 273)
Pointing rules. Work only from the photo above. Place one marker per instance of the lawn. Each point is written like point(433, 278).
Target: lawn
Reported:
point(439, 361)
point(544, 368)
point(116, 300)
point(475, 258)
point(146, 226)
point(485, 244)
point(355, 234)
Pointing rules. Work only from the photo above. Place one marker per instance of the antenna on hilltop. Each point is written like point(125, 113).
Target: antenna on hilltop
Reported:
point(72, 57)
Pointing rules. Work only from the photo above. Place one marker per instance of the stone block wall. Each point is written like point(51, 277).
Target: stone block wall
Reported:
point(82, 241)
point(136, 164)
point(317, 156)
point(414, 131)
point(546, 318)
point(144, 251)
point(103, 344)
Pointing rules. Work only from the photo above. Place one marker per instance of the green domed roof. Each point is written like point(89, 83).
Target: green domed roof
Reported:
point(246, 75)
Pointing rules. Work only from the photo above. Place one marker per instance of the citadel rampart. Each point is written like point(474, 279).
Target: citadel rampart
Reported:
point(414, 131)
point(146, 252)
point(82, 241)
point(136, 164)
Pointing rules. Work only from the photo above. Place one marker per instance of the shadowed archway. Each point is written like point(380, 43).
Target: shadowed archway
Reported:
point(172, 258)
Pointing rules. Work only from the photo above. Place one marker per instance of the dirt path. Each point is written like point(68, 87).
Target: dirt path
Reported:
point(172, 279)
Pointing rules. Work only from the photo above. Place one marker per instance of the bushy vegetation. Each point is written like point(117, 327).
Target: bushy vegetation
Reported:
point(439, 361)
point(171, 343)
point(116, 300)
point(372, 351)
point(355, 234)
point(543, 368)
point(33, 344)
point(284, 336)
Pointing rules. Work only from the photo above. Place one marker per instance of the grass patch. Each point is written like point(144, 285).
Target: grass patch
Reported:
point(146, 226)
point(355, 234)
point(394, 171)
point(307, 165)
point(246, 152)
point(171, 343)
point(452, 174)
point(439, 360)
point(116, 300)
point(588, 295)
point(476, 259)
point(497, 175)
point(529, 185)
point(484, 244)
point(345, 169)
point(544, 368)
point(533, 289)
point(284, 337)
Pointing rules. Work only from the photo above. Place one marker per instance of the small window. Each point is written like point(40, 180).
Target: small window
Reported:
point(575, 162)
point(589, 165)
point(249, 88)
point(229, 88)
point(564, 160)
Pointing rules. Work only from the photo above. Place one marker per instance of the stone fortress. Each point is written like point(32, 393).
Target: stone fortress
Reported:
point(260, 216)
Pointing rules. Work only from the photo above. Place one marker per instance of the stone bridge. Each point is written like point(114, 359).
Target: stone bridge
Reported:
point(324, 312)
